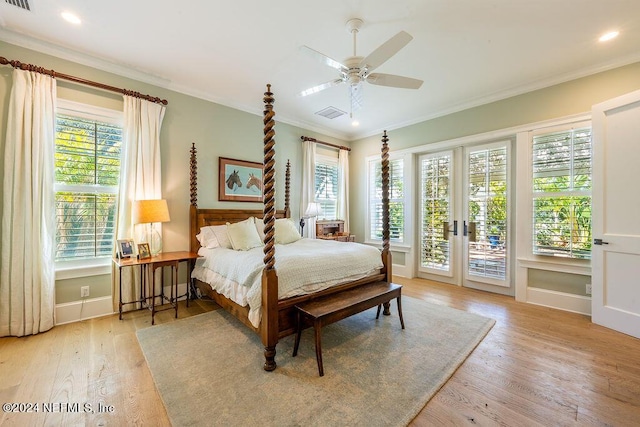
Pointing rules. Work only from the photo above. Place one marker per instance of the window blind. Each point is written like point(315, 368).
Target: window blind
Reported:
point(326, 185)
point(87, 169)
point(562, 166)
point(396, 200)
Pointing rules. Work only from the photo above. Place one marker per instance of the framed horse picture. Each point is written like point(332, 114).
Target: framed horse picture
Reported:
point(239, 180)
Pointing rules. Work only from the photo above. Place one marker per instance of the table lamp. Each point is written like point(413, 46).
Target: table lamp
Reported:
point(313, 210)
point(150, 212)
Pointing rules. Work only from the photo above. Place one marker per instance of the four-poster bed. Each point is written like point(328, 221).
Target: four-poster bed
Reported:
point(278, 315)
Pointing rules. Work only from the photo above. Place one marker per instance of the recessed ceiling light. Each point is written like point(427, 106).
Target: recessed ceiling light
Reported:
point(355, 123)
point(609, 36)
point(71, 17)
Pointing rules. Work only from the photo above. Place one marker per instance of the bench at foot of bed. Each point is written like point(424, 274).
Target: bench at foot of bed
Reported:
point(330, 309)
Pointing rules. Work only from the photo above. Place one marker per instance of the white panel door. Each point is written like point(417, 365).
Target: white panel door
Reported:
point(616, 214)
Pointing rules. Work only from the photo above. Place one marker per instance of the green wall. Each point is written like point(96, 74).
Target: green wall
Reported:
point(573, 97)
point(217, 131)
point(222, 131)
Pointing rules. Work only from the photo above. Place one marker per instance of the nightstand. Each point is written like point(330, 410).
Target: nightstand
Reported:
point(333, 230)
point(148, 266)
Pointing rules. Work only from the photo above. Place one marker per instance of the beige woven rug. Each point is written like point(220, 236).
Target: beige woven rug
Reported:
point(208, 368)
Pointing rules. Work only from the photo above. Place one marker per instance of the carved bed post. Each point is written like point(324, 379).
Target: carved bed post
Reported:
point(386, 252)
point(287, 191)
point(269, 323)
point(193, 204)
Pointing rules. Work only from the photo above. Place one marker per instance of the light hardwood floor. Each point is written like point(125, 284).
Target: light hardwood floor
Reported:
point(537, 366)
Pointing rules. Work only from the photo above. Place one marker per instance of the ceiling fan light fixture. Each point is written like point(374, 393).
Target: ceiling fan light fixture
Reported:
point(357, 69)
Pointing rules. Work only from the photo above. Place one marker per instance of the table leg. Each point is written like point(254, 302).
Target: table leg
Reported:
point(153, 294)
point(174, 282)
point(120, 291)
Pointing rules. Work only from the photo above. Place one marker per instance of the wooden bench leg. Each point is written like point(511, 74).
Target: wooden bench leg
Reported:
point(378, 313)
point(400, 312)
point(317, 325)
point(298, 333)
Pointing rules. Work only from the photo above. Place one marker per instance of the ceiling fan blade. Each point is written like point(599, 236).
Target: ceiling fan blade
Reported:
point(320, 87)
point(386, 50)
point(394, 81)
point(321, 57)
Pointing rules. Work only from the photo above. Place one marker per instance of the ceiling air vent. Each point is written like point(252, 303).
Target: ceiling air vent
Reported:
point(22, 4)
point(330, 112)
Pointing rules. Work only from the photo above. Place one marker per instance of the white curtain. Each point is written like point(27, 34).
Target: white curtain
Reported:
point(343, 188)
point(27, 271)
point(140, 178)
point(308, 186)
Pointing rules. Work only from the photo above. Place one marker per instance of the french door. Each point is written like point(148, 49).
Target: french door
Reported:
point(463, 215)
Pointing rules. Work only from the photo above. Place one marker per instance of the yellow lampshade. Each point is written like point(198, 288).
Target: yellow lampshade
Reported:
point(146, 211)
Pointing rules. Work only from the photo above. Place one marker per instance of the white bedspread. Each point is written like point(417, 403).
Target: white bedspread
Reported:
point(305, 266)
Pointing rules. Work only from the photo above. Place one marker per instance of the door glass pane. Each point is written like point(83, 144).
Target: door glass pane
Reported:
point(488, 212)
point(435, 212)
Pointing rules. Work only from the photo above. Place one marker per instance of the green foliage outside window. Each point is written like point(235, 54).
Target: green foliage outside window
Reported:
point(87, 170)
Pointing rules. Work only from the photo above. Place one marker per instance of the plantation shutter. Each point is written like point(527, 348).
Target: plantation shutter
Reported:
point(87, 169)
point(562, 193)
point(396, 200)
point(326, 186)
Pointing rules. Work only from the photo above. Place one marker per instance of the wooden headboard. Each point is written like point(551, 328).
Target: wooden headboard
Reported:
point(203, 217)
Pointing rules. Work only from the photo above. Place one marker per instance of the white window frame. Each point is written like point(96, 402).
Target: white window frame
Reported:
point(95, 266)
point(407, 169)
point(331, 161)
point(524, 206)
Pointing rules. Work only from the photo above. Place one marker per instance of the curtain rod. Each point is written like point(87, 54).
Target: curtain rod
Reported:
point(339, 147)
point(55, 74)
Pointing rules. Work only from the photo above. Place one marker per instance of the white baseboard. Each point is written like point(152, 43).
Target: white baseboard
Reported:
point(401, 270)
point(82, 310)
point(95, 307)
point(560, 300)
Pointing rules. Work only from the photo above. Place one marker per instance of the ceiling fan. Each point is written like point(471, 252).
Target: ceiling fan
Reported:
point(357, 69)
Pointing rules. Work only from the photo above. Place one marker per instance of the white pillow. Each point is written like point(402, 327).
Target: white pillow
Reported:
point(260, 228)
point(223, 237)
point(286, 231)
point(243, 235)
point(207, 237)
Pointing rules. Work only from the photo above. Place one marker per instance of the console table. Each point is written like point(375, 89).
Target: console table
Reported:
point(148, 266)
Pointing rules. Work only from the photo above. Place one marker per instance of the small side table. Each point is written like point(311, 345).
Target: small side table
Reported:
point(149, 266)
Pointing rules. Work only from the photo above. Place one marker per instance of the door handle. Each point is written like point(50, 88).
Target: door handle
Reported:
point(599, 242)
point(470, 230)
point(446, 229)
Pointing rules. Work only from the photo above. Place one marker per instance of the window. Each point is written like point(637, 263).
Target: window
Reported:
point(562, 193)
point(396, 200)
point(87, 170)
point(326, 186)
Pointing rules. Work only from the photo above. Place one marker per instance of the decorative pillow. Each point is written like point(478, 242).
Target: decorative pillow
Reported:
point(286, 231)
point(243, 235)
point(260, 228)
point(223, 237)
point(207, 237)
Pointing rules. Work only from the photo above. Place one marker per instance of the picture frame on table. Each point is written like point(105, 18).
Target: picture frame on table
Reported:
point(144, 251)
point(125, 248)
point(239, 180)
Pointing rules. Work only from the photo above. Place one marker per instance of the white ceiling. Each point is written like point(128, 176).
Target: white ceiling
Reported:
point(468, 52)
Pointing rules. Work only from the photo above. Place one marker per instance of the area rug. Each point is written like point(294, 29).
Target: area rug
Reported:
point(208, 368)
